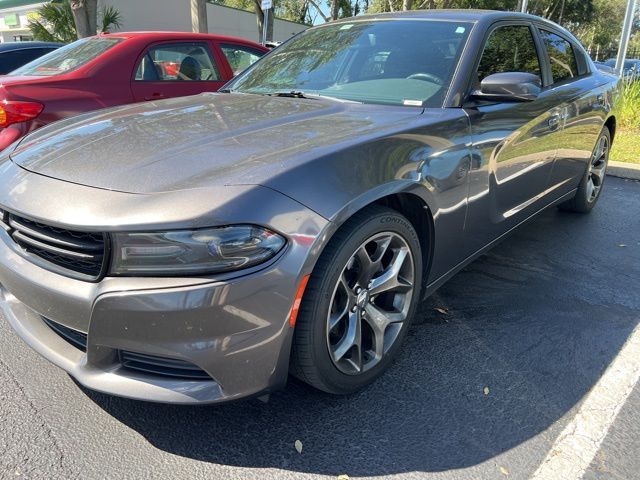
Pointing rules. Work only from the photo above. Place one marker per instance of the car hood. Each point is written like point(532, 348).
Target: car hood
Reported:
point(199, 141)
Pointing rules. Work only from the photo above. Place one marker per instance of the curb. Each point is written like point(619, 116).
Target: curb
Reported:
point(630, 171)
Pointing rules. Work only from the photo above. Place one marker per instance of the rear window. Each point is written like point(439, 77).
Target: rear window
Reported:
point(67, 58)
point(564, 65)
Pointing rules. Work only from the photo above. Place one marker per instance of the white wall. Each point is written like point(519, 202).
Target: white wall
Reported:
point(176, 15)
point(8, 32)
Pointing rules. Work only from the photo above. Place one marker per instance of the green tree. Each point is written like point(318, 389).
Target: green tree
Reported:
point(563, 11)
point(348, 8)
point(54, 22)
point(556, 10)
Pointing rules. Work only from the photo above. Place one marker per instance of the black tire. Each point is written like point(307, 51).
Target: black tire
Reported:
point(311, 360)
point(585, 198)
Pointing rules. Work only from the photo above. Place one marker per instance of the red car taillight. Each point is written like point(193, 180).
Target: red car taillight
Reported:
point(14, 112)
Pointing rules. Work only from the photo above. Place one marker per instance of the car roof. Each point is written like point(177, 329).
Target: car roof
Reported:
point(484, 17)
point(11, 46)
point(159, 35)
point(465, 15)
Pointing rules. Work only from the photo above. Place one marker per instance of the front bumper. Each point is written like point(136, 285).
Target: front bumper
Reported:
point(233, 328)
point(237, 331)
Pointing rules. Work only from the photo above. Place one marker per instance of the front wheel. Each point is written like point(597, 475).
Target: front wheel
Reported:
point(591, 185)
point(359, 302)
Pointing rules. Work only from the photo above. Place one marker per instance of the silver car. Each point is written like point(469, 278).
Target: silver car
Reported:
point(201, 249)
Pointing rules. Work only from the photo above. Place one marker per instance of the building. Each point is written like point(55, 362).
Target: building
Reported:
point(176, 15)
point(151, 15)
point(14, 15)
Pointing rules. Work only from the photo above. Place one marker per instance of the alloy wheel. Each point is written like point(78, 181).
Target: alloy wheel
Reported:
point(597, 169)
point(370, 303)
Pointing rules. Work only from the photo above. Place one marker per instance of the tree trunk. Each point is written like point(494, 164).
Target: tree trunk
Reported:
point(335, 9)
point(92, 15)
point(81, 18)
point(260, 21)
point(259, 17)
point(199, 16)
point(407, 5)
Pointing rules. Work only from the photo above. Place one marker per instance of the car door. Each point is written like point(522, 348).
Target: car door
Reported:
point(582, 101)
point(176, 69)
point(514, 143)
point(239, 57)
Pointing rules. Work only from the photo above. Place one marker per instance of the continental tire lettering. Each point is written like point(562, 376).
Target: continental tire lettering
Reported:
point(398, 221)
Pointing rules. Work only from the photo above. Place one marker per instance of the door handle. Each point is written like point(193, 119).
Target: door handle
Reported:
point(154, 96)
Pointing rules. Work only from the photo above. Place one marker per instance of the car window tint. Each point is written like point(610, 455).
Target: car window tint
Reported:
point(68, 58)
point(240, 57)
point(178, 62)
point(509, 49)
point(561, 56)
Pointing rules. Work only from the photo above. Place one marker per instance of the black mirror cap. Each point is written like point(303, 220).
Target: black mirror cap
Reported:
point(509, 87)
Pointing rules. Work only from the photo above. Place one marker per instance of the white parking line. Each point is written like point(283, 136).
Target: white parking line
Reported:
point(577, 445)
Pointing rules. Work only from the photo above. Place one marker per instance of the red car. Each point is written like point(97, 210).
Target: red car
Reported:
point(116, 69)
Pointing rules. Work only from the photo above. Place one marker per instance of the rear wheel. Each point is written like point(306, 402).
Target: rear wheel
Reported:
point(591, 185)
point(359, 302)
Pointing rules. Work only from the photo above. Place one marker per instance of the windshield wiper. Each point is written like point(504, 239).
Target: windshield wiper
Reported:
point(292, 94)
point(310, 96)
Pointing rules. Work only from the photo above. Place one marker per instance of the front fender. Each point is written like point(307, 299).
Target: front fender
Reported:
point(430, 159)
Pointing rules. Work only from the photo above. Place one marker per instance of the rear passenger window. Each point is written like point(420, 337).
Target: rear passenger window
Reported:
point(178, 62)
point(9, 61)
point(240, 57)
point(509, 49)
point(561, 56)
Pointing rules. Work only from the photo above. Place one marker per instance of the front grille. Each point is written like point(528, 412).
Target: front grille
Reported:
point(78, 254)
point(74, 337)
point(167, 367)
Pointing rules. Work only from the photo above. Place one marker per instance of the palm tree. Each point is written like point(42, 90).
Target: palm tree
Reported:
point(54, 22)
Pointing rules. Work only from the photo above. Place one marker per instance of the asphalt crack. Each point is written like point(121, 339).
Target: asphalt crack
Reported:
point(28, 446)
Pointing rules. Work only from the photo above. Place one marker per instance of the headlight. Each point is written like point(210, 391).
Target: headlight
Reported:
point(194, 252)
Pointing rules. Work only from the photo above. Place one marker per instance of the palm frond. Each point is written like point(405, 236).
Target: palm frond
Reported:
point(40, 32)
point(111, 17)
point(54, 20)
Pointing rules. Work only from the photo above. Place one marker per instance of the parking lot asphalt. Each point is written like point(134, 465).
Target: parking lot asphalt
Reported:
point(496, 365)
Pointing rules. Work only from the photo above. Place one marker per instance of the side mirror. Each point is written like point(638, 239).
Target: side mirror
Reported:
point(509, 87)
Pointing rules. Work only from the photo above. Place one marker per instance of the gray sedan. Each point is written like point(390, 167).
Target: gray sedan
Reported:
point(201, 249)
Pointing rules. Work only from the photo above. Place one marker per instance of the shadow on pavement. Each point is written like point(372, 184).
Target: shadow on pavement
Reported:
point(536, 321)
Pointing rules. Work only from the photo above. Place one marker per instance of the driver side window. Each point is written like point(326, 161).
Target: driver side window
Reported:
point(509, 49)
point(178, 62)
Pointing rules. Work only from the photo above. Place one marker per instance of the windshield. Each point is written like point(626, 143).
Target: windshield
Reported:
point(67, 58)
point(395, 62)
